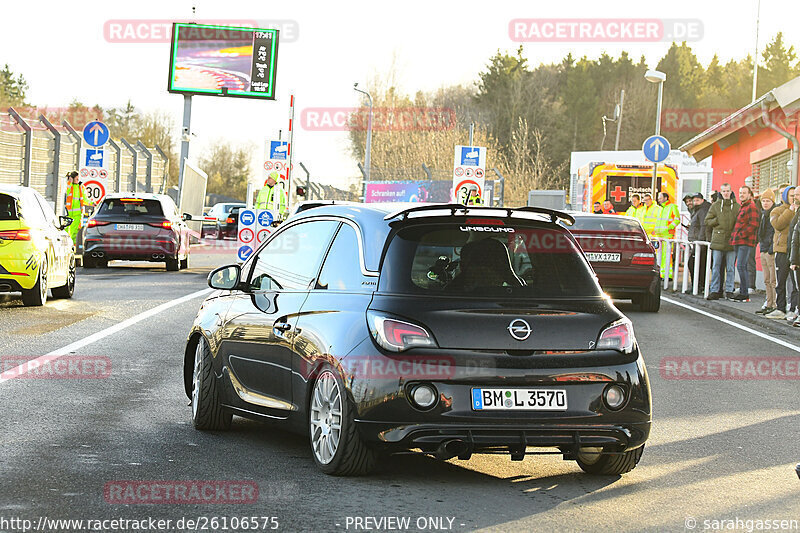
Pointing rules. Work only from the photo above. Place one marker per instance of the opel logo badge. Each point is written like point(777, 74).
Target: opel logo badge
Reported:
point(519, 329)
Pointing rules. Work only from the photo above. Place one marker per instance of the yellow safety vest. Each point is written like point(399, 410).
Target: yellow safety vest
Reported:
point(636, 212)
point(266, 199)
point(76, 198)
point(668, 220)
point(650, 220)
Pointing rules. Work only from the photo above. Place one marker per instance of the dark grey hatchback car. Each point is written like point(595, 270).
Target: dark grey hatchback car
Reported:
point(376, 328)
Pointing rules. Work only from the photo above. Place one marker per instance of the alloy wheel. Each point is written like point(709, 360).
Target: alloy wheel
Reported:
point(326, 417)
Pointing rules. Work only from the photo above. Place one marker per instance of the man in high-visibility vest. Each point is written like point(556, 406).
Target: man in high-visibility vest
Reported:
point(652, 212)
point(668, 220)
point(272, 196)
point(637, 208)
point(75, 202)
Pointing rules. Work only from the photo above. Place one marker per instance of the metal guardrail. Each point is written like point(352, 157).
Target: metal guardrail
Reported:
point(38, 153)
point(679, 249)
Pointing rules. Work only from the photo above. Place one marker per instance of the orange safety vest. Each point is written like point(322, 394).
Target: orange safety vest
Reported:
point(71, 197)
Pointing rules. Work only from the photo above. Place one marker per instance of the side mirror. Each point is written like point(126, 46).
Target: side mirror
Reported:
point(64, 222)
point(225, 278)
point(186, 216)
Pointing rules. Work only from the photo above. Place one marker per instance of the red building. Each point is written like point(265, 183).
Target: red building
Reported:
point(758, 141)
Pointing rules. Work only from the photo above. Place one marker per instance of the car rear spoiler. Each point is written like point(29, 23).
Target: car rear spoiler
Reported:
point(464, 210)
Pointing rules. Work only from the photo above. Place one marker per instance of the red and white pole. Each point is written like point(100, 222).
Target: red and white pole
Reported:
point(289, 154)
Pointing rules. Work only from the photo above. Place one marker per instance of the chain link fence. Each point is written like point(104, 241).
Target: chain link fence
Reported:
point(37, 153)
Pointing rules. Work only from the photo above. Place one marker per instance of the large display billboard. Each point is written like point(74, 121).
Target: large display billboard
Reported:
point(223, 60)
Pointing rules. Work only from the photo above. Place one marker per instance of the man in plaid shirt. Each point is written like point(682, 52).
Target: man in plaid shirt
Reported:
point(743, 239)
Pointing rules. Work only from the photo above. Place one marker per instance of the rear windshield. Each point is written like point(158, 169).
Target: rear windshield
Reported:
point(130, 207)
point(8, 207)
point(524, 260)
point(606, 223)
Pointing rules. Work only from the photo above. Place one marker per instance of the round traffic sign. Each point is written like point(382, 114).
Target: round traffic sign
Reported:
point(247, 217)
point(95, 133)
point(95, 190)
point(464, 187)
point(656, 148)
point(478, 172)
point(278, 165)
point(263, 233)
point(459, 171)
point(244, 252)
point(103, 173)
point(265, 218)
point(268, 165)
point(246, 235)
point(93, 173)
point(84, 172)
point(469, 172)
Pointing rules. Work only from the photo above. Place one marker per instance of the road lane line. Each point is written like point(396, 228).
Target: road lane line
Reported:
point(94, 337)
point(734, 324)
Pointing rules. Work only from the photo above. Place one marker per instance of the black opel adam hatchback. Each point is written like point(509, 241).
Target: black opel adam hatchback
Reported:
point(375, 328)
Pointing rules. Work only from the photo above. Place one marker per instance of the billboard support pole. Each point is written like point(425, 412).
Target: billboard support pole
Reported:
point(187, 121)
point(289, 154)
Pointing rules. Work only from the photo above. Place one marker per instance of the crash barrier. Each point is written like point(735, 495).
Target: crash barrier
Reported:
point(38, 153)
point(680, 250)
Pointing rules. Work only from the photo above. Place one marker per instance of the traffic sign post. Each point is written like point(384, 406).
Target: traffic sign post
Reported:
point(656, 149)
point(246, 234)
point(95, 133)
point(469, 171)
point(93, 172)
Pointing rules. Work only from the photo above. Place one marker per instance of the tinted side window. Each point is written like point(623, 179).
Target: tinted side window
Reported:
point(342, 268)
point(8, 207)
point(293, 257)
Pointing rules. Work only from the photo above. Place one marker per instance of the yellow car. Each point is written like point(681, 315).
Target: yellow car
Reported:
point(36, 254)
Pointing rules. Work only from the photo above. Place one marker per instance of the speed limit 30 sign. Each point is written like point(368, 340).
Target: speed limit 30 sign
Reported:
point(95, 190)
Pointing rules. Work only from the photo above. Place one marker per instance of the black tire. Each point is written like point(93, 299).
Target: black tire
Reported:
point(353, 457)
point(604, 464)
point(67, 290)
point(37, 296)
point(651, 302)
point(207, 411)
point(173, 265)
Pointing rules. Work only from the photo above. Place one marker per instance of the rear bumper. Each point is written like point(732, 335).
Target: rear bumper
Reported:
point(20, 271)
point(619, 281)
point(142, 249)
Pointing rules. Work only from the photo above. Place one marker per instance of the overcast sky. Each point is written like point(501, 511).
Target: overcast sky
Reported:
point(61, 49)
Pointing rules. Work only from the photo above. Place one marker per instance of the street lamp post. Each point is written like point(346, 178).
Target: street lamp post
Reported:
point(655, 76)
point(369, 132)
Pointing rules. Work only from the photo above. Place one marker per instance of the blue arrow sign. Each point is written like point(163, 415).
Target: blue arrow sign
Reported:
point(656, 148)
point(244, 252)
point(95, 133)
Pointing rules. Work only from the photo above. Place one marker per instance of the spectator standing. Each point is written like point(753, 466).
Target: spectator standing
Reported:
point(698, 231)
point(781, 220)
point(767, 254)
point(743, 238)
point(720, 220)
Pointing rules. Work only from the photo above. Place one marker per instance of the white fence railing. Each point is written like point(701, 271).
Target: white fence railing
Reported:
point(679, 254)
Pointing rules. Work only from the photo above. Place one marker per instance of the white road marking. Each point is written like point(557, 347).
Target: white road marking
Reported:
point(734, 324)
point(94, 337)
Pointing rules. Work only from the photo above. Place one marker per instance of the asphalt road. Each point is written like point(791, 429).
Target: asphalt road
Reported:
point(719, 449)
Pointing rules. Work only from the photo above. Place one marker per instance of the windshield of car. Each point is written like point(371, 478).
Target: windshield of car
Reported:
point(130, 207)
point(486, 258)
point(606, 223)
point(8, 207)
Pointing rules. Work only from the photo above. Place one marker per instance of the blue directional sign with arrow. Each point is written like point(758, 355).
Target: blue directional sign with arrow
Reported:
point(656, 148)
point(95, 133)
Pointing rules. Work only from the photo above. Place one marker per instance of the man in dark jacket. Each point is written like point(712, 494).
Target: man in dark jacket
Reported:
point(720, 220)
point(781, 219)
point(743, 238)
point(765, 245)
point(698, 231)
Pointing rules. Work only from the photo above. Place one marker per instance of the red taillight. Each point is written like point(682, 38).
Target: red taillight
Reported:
point(16, 235)
point(643, 259)
point(397, 335)
point(618, 336)
point(229, 221)
point(92, 223)
point(166, 224)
